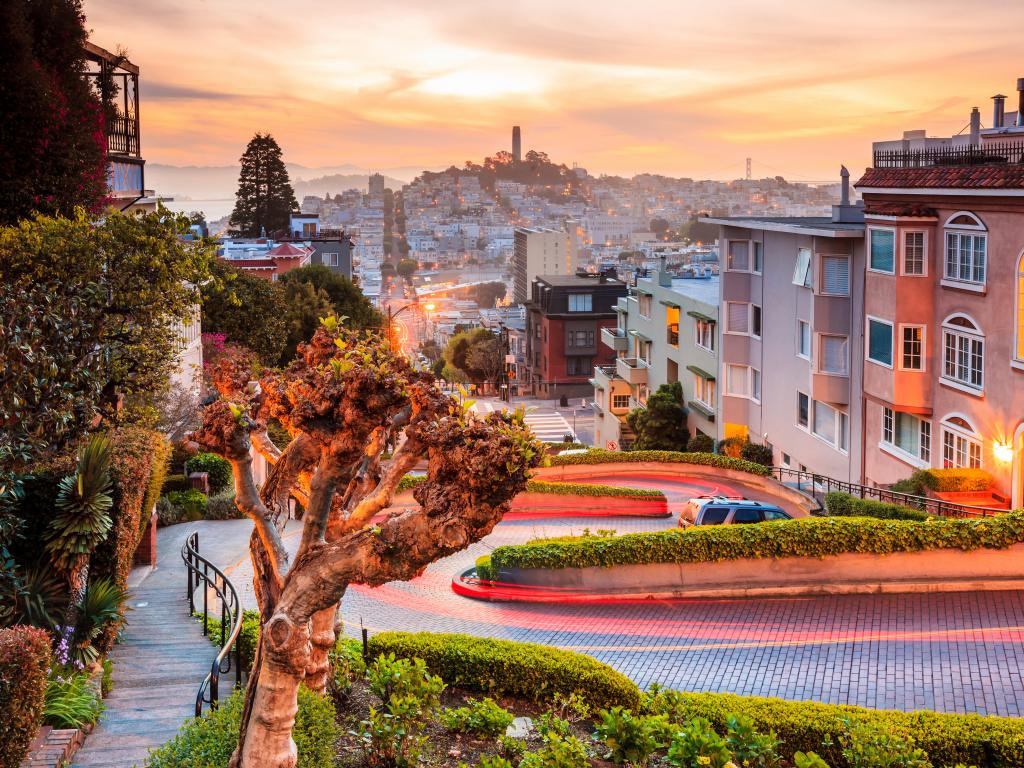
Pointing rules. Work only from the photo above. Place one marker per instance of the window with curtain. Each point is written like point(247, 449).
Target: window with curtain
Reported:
point(835, 275)
point(880, 341)
point(882, 256)
point(907, 433)
point(739, 255)
point(834, 355)
point(737, 379)
point(825, 425)
point(803, 339)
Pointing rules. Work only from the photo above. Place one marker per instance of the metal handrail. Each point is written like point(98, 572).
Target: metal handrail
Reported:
point(199, 572)
point(823, 484)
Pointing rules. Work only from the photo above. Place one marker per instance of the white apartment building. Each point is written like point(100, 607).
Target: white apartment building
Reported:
point(537, 252)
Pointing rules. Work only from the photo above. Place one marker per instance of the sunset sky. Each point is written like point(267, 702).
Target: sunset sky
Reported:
point(679, 87)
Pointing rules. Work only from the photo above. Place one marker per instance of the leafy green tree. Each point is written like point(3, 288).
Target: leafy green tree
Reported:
point(488, 294)
point(486, 359)
point(457, 353)
point(91, 316)
point(661, 426)
point(248, 310)
point(265, 198)
point(406, 268)
point(82, 521)
point(306, 305)
point(345, 297)
point(52, 142)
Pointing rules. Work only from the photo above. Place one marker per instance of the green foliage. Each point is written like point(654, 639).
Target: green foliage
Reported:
point(83, 508)
point(192, 503)
point(483, 718)
point(757, 454)
point(265, 198)
point(175, 483)
point(208, 741)
point(107, 680)
point(494, 761)
point(811, 727)
point(346, 299)
point(732, 446)
point(24, 661)
point(701, 443)
point(248, 310)
point(865, 745)
point(661, 425)
point(406, 268)
point(589, 489)
point(248, 636)
point(71, 700)
point(808, 760)
point(750, 748)
point(506, 668)
point(53, 148)
point(510, 748)
point(558, 752)
point(488, 294)
point(217, 468)
point(947, 480)
point(601, 456)
point(223, 507)
point(101, 612)
point(631, 738)
point(459, 359)
point(161, 461)
point(33, 596)
point(306, 305)
point(844, 505)
point(94, 310)
point(805, 537)
point(347, 664)
point(696, 745)
point(392, 678)
point(278, 435)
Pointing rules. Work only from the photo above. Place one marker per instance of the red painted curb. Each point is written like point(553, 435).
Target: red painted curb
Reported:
point(513, 593)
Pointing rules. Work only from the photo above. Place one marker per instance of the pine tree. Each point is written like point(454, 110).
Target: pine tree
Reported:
point(265, 196)
point(661, 426)
point(52, 140)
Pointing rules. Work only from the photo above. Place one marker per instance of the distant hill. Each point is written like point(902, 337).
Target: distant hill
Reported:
point(218, 182)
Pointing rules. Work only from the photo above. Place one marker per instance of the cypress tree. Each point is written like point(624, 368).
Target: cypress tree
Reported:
point(265, 196)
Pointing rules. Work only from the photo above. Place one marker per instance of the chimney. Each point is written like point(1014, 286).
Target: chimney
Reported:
point(845, 176)
point(975, 127)
point(998, 110)
point(664, 278)
point(1020, 102)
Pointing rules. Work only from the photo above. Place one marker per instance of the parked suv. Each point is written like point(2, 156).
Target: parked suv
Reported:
point(728, 510)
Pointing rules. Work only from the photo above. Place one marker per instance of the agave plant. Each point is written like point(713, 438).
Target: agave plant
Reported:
point(102, 605)
point(82, 521)
point(32, 596)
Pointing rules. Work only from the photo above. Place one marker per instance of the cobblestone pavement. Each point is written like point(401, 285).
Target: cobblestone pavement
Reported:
point(954, 652)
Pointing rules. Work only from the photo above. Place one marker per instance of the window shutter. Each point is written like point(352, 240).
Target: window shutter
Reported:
point(738, 317)
point(837, 275)
point(833, 354)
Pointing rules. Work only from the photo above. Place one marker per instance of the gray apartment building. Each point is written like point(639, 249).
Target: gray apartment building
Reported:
point(791, 342)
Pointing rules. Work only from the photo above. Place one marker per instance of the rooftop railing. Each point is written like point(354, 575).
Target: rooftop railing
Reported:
point(989, 153)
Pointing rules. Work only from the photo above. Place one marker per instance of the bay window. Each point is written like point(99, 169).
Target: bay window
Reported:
point(963, 353)
point(907, 434)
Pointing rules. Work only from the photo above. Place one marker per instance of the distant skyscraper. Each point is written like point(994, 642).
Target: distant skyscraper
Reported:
point(517, 144)
point(376, 184)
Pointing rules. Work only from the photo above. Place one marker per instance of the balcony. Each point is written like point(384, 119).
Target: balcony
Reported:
point(830, 388)
point(614, 338)
point(604, 376)
point(633, 370)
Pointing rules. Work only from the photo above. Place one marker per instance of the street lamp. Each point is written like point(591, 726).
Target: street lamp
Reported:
point(391, 328)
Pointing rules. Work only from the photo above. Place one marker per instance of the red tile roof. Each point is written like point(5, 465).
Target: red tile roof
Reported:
point(913, 210)
point(1009, 176)
point(288, 251)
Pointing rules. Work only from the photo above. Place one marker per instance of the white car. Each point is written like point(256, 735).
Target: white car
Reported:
point(728, 510)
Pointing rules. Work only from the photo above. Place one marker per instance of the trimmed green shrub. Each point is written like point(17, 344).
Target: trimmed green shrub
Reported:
point(631, 738)
point(949, 480)
point(507, 668)
point(812, 727)
point(175, 483)
point(805, 537)
point(485, 569)
point(217, 469)
point(758, 454)
point(586, 489)
point(409, 481)
point(24, 661)
point(248, 635)
point(207, 742)
point(483, 718)
point(701, 443)
point(601, 456)
point(844, 505)
point(222, 507)
point(731, 446)
point(191, 503)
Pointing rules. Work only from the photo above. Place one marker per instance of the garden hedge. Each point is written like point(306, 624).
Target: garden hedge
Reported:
point(218, 470)
point(976, 740)
point(24, 663)
point(950, 480)
point(562, 489)
point(507, 668)
point(806, 537)
point(248, 636)
point(844, 505)
point(601, 456)
point(207, 742)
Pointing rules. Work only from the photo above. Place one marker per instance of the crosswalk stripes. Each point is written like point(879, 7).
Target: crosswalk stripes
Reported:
point(547, 424)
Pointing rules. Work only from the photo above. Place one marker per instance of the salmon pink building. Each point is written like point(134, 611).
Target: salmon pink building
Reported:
point(943, 324)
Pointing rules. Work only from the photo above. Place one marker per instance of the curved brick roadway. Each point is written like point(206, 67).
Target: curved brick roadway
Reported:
point(958, 652)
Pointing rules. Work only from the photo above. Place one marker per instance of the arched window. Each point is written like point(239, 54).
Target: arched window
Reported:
point(963, 353)
point(966, 249)
point(1018, 347)
point(961, 443)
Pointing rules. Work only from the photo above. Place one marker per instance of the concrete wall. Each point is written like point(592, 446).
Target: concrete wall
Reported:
point(932, 571)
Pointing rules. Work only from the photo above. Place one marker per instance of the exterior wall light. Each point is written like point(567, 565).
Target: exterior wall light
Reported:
point(1003, 452)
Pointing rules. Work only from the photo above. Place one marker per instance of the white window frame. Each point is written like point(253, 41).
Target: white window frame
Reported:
point(704, 391)
point(800, 326)
point(701, 329)
point(895, 250)
point(803, 272)
point(756, 257)
point(867, 340)
point(806, 426)
point(750, 319)
point(967, 436)
point(821, 354)
point(924, 253)
point(970, 337)
point(822, 272)
point(728, 256)
point(747, 372)
point(978, 229)
point(616, 395)
point(1017, 354)
point(923, 351)
point(840, 426)
point(887, 439)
